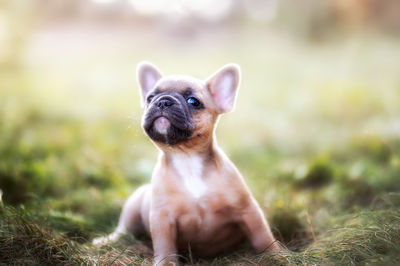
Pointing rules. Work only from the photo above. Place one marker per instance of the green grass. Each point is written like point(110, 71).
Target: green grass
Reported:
point(366, 237)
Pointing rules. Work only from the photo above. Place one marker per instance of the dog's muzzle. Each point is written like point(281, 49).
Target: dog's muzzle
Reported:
point(168, 120)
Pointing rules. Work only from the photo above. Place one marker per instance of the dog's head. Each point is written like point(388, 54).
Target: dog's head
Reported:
point(181, 110)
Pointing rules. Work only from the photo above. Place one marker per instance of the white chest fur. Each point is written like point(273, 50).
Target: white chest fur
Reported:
point(190, 169)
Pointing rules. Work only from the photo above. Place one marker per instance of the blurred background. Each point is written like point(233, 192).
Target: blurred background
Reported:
point(315, 130)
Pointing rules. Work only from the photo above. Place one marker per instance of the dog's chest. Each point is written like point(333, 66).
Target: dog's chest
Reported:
point(201, 201)
point(190, 170)
point(202, 219)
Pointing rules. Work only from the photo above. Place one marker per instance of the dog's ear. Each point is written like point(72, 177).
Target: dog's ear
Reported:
point(223, 86)
point(147, 76)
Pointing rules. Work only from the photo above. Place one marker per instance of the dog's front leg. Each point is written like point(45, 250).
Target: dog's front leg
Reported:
point(163, 234)
point(257, 230)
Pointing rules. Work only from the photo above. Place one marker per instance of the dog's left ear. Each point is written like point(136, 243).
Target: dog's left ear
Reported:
point(223, 86)
point(147, 75)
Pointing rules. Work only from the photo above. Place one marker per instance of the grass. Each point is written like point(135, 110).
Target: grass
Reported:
point(367, 237)
point(315, 133)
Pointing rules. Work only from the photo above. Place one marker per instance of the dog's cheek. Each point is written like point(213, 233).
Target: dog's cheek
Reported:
point(203, 125)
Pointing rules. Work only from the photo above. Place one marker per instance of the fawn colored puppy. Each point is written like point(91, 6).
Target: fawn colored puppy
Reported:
point(197, 201)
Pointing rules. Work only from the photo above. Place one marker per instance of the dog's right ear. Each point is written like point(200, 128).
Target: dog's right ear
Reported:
point(147, 76)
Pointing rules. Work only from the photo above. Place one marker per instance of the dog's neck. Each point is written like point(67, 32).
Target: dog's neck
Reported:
point(204, 152)
point(190, 170)
point(190, 166)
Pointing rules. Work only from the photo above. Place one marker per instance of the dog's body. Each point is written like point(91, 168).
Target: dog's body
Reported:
point(197, 201)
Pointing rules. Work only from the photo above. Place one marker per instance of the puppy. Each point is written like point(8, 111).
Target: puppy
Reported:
point(197, 201)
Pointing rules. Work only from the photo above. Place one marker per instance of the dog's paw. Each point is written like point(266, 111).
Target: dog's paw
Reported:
point(106, 240)
point(100, 241)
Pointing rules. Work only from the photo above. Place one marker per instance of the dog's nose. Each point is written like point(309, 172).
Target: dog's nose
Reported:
point(165, 103)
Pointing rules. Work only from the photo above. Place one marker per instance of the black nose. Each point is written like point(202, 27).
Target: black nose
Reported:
point(165, 103)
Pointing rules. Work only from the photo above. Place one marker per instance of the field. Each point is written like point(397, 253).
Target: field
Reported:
point(315, 133)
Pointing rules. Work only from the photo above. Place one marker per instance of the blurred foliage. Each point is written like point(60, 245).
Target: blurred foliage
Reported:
point(320, 172)
point(373, 148)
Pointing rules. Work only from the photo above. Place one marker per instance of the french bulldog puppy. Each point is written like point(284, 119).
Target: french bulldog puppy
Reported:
point(197, 201)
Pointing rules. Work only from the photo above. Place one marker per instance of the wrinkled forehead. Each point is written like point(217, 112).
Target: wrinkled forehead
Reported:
point(180, 84)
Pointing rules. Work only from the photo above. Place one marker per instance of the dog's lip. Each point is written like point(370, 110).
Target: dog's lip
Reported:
point(159, 116)
point(162, 124)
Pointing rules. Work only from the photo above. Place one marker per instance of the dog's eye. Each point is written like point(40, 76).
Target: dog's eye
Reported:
point(193, 101)
point(150, 98)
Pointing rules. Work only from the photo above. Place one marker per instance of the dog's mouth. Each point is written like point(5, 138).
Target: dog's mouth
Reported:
point(162, 124)
point(169, 127)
